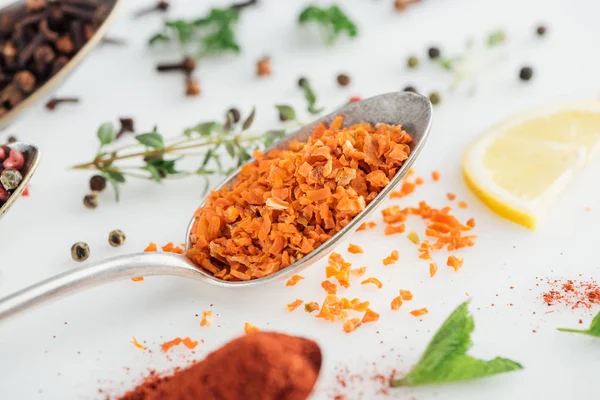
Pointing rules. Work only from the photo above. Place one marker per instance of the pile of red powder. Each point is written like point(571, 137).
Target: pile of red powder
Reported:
point(572, 293)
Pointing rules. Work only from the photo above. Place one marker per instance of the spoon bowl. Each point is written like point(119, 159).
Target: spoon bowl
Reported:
point(411, 110)
point(32, 159)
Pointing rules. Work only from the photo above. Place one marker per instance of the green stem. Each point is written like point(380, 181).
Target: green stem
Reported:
point(572, 330)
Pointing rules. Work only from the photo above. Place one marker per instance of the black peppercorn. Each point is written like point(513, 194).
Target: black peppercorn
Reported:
point(410, 89)
point(526, 73)
point(302, 82)
point(97, 183)
point(116, 238)
point(80, 251)
point(540, 30)
point(12, 139)
point(434, 98)
point(235, 114)
point(433, 53)
point(412, 62)
point(343, 80)
point(91, 200)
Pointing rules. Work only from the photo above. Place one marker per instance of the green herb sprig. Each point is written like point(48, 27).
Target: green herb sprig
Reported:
point(593, 330)
point(331, 21)
point(158, 157)
point(445, 359)
point(311, 97)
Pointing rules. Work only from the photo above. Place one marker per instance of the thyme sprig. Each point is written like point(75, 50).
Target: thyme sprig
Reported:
point(158, 158)
point(332, 22)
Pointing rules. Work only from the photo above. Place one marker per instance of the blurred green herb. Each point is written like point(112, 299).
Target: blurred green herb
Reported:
point(331, 21)
point(594, 329)
point(221, 148)
point(310, 96)
point(495, 38)
point(445, 359)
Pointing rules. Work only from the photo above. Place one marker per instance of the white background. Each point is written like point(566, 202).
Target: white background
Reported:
point(74, 347)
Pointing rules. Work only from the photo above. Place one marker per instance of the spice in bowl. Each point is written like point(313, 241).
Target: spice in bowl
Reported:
point(12, 162)
point(289, 202)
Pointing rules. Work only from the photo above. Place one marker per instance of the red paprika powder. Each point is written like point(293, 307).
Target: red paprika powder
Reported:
point(258, 366)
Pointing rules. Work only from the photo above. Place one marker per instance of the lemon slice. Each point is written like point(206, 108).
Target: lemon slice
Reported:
point(519, 166)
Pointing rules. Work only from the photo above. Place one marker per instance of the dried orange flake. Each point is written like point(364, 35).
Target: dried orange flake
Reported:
point(419, 181)
point(293, 280)
point(290, 201)
point(355, 249)
point(330, 288)
point(392, 258)
point(312, 306)
point(138, 344)
point(462, 204)
point(435, 175)
point(370, 316)
point(396, 303)
point(451, 196)
point(433, 268)
point(207, 316)
point(249, 328)
point(359, 306)
point(406, 295)
point(366, 225)
point(374, 281)
point(471, 223)
point(454, 262)
point(137, 278)
point(413, 237)
point(168, 247)
point(294, 304)
point(151, 247)
point(351, 325)
point(419, 312)
point(358, 272)
point(187, 342)
point(393, 229)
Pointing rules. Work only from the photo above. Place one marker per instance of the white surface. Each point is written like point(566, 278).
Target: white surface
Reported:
point(72, 348)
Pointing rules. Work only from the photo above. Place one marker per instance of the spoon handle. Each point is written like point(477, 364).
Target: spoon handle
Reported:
point(127, 266)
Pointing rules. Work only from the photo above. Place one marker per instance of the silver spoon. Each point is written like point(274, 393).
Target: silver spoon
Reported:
point(411, 110)
point(32, 159)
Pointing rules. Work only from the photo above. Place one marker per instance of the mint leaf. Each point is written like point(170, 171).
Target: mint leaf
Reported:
point(286, 113)
point(106, 133)
point(594, 329)
point(445, 358)
point(332, 21)
point(153, 140)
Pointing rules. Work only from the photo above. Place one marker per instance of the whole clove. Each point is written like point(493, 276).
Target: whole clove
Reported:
point(187, 65)
point(113, 41)
point(244, 4)
point(127, 125)
point(52, 103)
point(161, 6)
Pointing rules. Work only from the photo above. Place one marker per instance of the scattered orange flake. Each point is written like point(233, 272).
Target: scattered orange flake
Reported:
point(249, 328)
point(25, 192)
point(293, 280)
point(374, 281)
point(137, 278)
point(358, 272)
point(586, 209)
point(451, 196)
point(419, 180)
point(359, 306)
point(294, 304)
point(406, 295)
point(433, 268)
point(393, 229)
point(396, 303)
point(406, 189)
point(471, 223)
point(366, 225)
point(151, 247)
point(355, 249)
point(138, 344)
point(419, 312)
point(454, 262)
point(351, 325)
point(354, 99)
point(187, 342)
point(413, 237)
point(207, 316)
point(330, 271)
point(435, 175)
point(177, 250)
point(168, 247)
point(330, 288)
point(394, 214)
point(312, 306)
point(392, 258)
point(370, 316)
point(462, 204)
point(346, 304)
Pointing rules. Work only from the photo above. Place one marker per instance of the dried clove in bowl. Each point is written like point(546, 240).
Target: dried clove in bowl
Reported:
point(38, 40)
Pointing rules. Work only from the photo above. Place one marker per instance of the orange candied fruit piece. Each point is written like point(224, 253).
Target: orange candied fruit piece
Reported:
point(462, 204)
point(396, 303)
point(312, 306)
point(207, 316)
point(413, 237)
point(138, 344)
point(471, 223)
point(370, 316)
point(358, 272)
point(168, 247)
point(435, 175)
point(249, 328)
point(166, 346)
point(151, 248)
point(189, 343)
point(293, 280)
point(366, 225)
point(419, 312)
point(359, 306)
point(454, 262)
point(137, 278)
point(393, 229)
point(374, 281)
point(406, 295)
point(355, 249)
point(330, 288)
point(392, 258)
point(351, 325)
point(451, 196)
point(433, 268)
point(419, 180)
point(294, 304)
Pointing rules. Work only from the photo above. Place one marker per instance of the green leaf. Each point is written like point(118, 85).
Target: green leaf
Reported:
point(183, 29)
point(332, 21)
point(495, 38)
point(153, 140)
point(158, 38)
point(445, 358)
point(445, 63)
point(271, 136)
point(230, 147)
point(115, 178)
point(311, 97)
point(243, 155)
point(286, 113)
point(594, 329)
point(106, 133)
point(204, 129)
point(154, 172)
point(248, 122)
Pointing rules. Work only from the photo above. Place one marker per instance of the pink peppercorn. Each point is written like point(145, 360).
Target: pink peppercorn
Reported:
point(14, 161)
point(2, 153)
point(4, 195)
